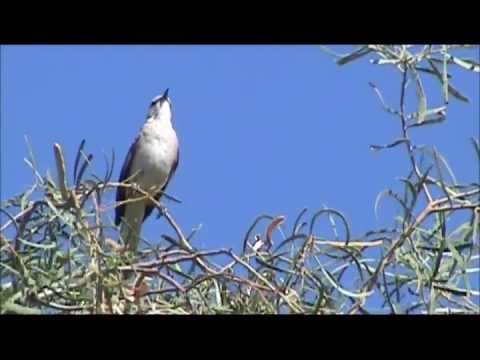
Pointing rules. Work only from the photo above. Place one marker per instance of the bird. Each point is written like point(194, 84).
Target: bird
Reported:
point(150, 164)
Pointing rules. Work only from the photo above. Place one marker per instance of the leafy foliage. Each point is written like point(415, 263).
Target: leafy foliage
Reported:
point(57, 256)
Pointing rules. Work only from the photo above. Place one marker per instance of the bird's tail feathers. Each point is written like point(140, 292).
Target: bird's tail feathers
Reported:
point(132, 224)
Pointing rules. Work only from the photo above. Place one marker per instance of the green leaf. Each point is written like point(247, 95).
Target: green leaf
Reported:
point(428, 71)
point(50, 182)
point(451, 89)
point(390, 193)
point(31, 157)
point(388, 146)
point(436, 158)
point(476, 146)
point(334, 212)
point(177, 267)
point(457, 94)
point(19, 309)
point(466, 64)
point(12, 270)
point(362, 51)
point(35, 172)
point(456, 255)
point(379, 197)
point(422, 98)
point(447, 166)
point(77, 160)
point(38, 246)
point(218, 297)
point(443, 241)
point(461, 231)
point(432, 302)
point(333, 224)
point(24, 202)
point(445, 80)
point(343, 291)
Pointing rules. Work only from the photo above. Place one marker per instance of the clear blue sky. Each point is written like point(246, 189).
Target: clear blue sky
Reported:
point(263, 129)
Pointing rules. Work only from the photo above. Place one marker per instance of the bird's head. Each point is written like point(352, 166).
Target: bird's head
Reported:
point(161, 107)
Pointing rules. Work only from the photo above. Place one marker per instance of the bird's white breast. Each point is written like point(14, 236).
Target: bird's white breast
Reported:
point(155, 154)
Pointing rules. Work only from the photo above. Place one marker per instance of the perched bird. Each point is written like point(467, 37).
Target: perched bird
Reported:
point(152, 160)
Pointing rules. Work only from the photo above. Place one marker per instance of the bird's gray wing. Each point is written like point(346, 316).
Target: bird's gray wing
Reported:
point(149, 208)
point(124, 174)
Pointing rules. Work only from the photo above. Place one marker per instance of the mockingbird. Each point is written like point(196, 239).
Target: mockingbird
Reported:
point(150, 163)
